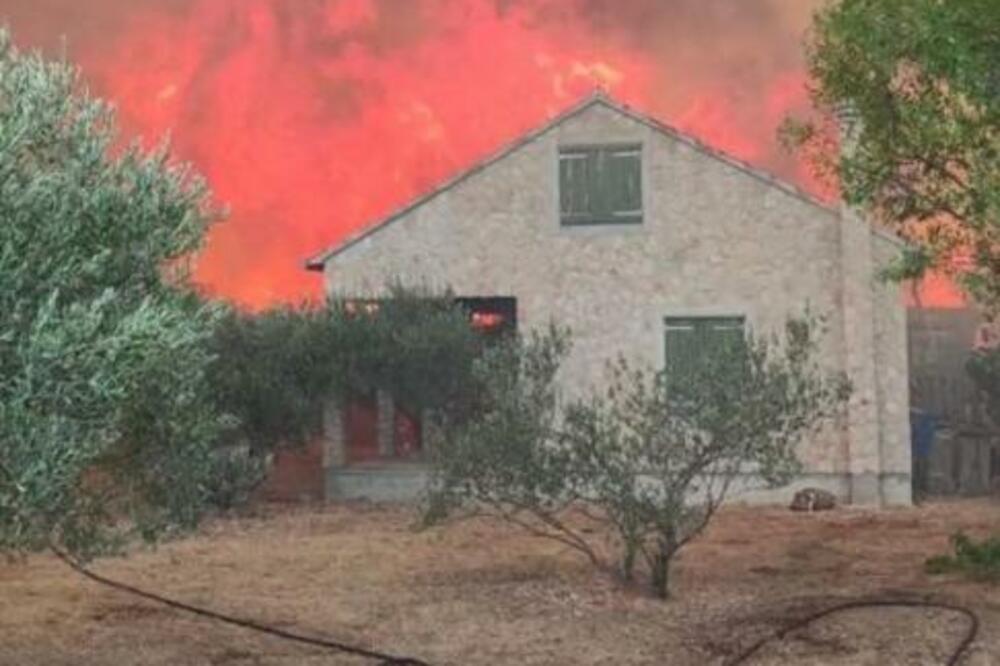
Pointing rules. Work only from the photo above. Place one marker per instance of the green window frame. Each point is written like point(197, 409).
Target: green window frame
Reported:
point(689, 340)
point(600, 184)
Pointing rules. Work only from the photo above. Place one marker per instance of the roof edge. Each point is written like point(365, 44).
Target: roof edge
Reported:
point(889, 236)
point(598, 97)
point(721, 155)
point(317, 262)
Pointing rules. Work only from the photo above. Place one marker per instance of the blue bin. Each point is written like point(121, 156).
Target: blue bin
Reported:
point(922, 428)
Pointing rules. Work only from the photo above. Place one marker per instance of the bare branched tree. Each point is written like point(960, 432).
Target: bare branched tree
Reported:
point(650, 458)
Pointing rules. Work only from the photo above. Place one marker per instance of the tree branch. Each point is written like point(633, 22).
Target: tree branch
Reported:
point(562, 534)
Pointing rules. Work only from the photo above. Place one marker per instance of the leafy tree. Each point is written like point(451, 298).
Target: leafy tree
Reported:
point(106, 423)
point(275, 371)
point(919, 81)
point(649, 459)
point(415, 343)
point(272, 371)
point(504, 460)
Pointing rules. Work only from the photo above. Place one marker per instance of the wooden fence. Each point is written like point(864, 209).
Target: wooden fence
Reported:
point(965, 455)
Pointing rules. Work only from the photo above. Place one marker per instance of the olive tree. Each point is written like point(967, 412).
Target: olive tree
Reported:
point(919, 82)
point(648, 459)
point(275, 371)
point(413, 342)
point(269, 372)
point(272, 370)
point(107, 427)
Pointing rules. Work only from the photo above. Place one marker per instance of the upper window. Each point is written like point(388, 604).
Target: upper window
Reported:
point(600, 184)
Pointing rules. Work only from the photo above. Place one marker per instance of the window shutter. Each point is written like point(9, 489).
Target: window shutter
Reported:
point(600, 184)
point(681, 349)
point(724, 332)
point(625, 179)
point(574, 183)
point(727, 340)
point(691, 341)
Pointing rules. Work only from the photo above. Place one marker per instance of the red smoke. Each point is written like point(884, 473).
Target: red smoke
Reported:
point(312, 118)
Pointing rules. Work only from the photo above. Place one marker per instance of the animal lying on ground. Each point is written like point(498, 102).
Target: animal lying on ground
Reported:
point(813, 499)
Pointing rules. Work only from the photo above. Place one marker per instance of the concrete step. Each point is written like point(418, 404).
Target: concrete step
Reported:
point(389, 483)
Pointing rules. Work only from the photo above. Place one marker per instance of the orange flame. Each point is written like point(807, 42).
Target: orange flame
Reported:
point(313, 118)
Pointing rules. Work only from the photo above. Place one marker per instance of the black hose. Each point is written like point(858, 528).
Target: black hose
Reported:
point(383, 658)
point(956, 656)
point(392, 660)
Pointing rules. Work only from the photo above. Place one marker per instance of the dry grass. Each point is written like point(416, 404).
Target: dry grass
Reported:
point(481, 593)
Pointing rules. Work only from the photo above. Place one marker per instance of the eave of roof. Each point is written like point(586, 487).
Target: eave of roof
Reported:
point(317, 262)
point(891, 237)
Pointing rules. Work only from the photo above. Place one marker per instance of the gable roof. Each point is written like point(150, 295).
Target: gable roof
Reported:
point(598, 98)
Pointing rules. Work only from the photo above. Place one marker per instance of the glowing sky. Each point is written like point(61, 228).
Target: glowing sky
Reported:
point(312, 118)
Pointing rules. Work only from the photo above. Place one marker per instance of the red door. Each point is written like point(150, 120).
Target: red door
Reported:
point(361, 429)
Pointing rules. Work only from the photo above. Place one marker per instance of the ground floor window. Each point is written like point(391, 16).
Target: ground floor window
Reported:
point(691, 341)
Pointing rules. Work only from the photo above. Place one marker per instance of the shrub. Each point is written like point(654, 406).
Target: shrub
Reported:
point(977, 560)
point(274, 371)
point(235, 473)
point(414, 343)
point(650, 458)
point(106, 419)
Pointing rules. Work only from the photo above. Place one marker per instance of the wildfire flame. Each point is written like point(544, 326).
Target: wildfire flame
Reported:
point(313, 118)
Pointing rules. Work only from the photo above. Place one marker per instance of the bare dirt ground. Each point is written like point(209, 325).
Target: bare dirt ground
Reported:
point(483, 593)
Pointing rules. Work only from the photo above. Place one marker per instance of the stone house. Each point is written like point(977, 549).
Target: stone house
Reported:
point(644, 241)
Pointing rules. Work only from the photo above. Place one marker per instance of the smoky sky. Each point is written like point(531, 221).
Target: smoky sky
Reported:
point(734, 47)
point(717, 36)
point(313, 118)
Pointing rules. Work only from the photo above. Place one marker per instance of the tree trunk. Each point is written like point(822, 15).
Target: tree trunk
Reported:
point(660, 566)
point(661, 575)
point(628, 562)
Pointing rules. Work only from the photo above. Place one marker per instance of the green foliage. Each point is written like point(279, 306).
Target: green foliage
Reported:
point(977, 560)
point(235, 473)
point(272, 372)
point(415, 344)
point(503, 455)
point(106, 424)
point(127, 405)
point(918, 82)
point(911, 264)
point(275, 371)
point(650, 458)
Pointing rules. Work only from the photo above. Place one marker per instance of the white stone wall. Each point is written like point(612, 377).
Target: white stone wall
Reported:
point(715, 240)
point(892, 368)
